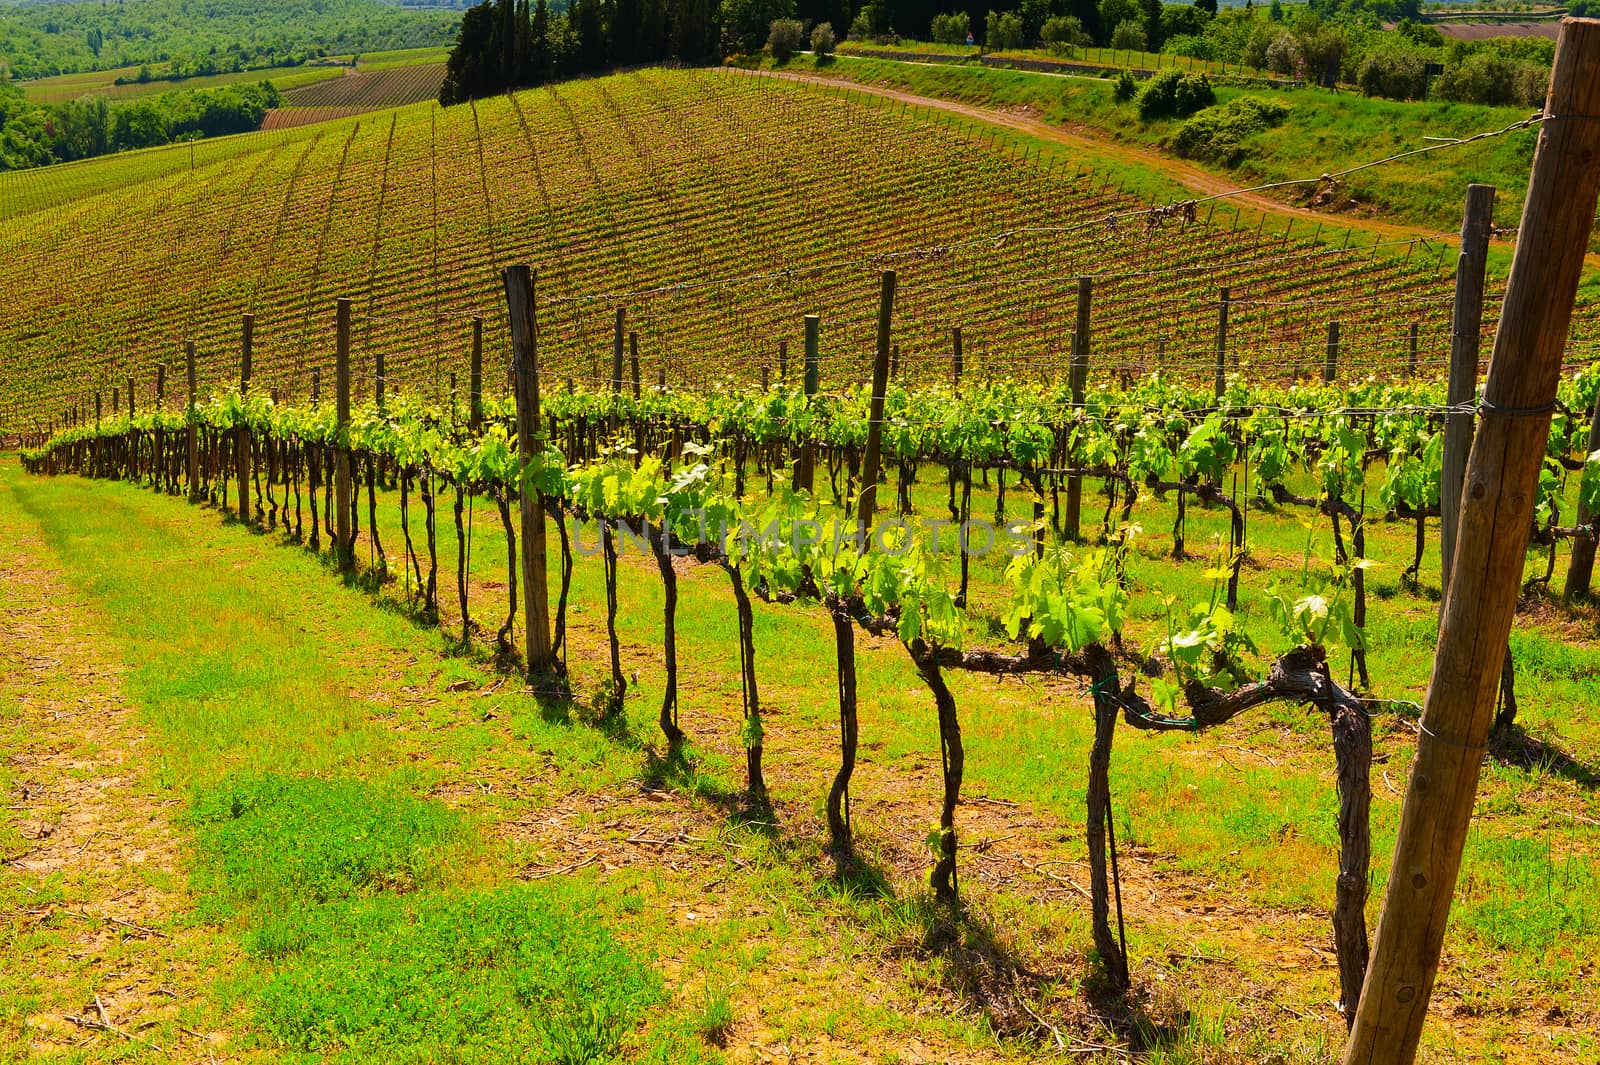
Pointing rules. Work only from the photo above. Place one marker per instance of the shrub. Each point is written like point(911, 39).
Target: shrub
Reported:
point(1495, 80)
point(951, 29)
point(1063, 33)
point(1218, 133)
point(785, 37)
point(871, 21)
point(1283, 54)
point(822, 42)
point(1188, 45)
point(1394, 73)
point(1171, 94)
point(1129, 35)
point(1002, 31)
point(1127, 87)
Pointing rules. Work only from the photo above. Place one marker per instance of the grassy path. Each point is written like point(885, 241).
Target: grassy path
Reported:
point(316, 799)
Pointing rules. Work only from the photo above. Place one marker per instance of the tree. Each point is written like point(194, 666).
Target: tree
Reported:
point(1208, 6)
point(473, 68)
point(1114, 13)
point(1150, 11)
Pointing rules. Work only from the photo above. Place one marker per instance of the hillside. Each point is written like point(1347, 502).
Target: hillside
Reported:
point(620, 189)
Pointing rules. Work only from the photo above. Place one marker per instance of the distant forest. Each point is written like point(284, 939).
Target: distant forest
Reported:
point(185, 39)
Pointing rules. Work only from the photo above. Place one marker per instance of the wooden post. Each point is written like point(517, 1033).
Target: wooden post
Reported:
point(1466, 326)
point(1495, 522)
point(97, 397)
point(377, 378)
point(475, 378)
point(193, 415)
point(241, 437)
point(116, 400)
point(616, 359)
point(633, 361)
point(1221, 383)
point(1330, 361)
point(343, 541)
point(1077, 379)
point(880, 384)
point(161, 384)
point(130, 396)
point(1581, 569)
point(805, 468)
point(519, 283)
point(956, 364)
point(1411, 351)
point(783, 361)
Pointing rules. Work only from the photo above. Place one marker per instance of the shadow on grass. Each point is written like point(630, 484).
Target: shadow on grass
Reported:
point(678, 771)
point(1515, 747)
point(978, 967)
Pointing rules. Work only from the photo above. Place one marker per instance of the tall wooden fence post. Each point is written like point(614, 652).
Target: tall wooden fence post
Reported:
point(805, 469)
point(344, 542)
point(241, 436)
point(1330, 361)
point(957, 363)
point(1221, 384)
point(880, 384)
point(1466, 327)
point(519, 284)
point(1411, 351)
point(1580, 572)
point(475, 377)
point(1495, 522)
point(192, 431)
point(1078, 379)
point(617, 339)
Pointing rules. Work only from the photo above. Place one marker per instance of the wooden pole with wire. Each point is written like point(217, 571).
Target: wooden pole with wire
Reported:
point(1496, 520)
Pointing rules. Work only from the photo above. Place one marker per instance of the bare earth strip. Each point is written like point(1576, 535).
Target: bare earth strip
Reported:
point(92, 879)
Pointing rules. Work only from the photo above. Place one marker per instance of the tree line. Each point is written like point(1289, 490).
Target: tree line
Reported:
point(40, 134)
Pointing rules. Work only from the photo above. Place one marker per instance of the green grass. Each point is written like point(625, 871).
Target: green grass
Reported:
point(524, 973)
point(361, 719)
point(1323, 132)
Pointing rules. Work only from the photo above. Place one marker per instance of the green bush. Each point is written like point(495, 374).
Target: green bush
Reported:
point(1189, 46)
point(1395, 73)
point(951, 29)
point(1062, 33)
point(1126, 88)
point(1002, 31)
point(1129, 35)
point(1218, 133)
point(785, 37)
point(822, 41)
point(1173, 94)
point(1494, 80)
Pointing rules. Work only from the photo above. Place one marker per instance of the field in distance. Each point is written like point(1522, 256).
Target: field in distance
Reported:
point(716, 207)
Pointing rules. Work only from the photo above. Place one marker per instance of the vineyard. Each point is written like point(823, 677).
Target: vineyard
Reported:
point(117, 264)
point(973, 604)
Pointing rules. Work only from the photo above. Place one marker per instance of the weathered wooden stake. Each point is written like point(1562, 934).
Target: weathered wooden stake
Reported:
point(1411, 351)
point(519, 284)
point(1580, 572)
point(783, 361)
point(344, 542)
point(192, 431)
point(1495, 522)
point(1221, 383)
point(1330, 362)
point(880, 384)
point(633, 361)
point(241, 439)
point(1077, 380)
point(475, 376)
point(805, 468)
point(956, 362)
point(1466, 327)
